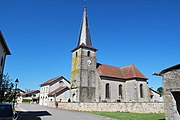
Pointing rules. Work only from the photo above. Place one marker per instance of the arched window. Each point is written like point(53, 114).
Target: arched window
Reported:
point(120, 91)
point(141, 90)
point(107, 90)
point(88, 53)
point(76, 54)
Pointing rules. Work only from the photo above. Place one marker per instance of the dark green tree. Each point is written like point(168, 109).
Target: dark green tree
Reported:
point(160, 90)
point(6, 89)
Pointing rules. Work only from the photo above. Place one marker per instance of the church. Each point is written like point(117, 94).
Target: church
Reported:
point(91, 81)
point(96, 82)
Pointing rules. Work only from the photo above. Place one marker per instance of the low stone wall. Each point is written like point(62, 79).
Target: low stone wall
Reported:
point(113, 107)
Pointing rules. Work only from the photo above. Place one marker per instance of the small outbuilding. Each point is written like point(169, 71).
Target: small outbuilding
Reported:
point(171, 85)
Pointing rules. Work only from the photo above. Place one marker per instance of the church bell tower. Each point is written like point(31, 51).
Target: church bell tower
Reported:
point(83, 84)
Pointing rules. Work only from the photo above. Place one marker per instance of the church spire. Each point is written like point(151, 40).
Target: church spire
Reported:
point(84, 36)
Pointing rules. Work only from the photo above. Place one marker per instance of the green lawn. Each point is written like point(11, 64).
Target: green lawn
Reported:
point(132, 116)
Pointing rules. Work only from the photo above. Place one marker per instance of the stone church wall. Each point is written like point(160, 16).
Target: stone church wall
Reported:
point(113, 107)
point(114, 90)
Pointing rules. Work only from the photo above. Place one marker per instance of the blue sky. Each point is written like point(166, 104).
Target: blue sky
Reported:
point(42, 33)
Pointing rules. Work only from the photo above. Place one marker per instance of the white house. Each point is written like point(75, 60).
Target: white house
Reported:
point(155, 96)
point(54, 90)
point(32, 96)
point(4, 50)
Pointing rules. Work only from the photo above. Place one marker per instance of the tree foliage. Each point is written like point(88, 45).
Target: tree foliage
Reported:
point(6, 89)
point(160, 90)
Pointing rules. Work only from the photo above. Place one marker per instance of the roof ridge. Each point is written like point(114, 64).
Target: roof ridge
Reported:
point(51, 80)
point(56, 90)
point(125, 72)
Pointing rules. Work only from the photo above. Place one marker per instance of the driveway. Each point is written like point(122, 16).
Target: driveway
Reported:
point(37, 112)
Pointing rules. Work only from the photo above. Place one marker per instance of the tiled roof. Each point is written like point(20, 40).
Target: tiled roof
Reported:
point(30, 92)
point(57, 90)
point(126, 72)
point(52, 80)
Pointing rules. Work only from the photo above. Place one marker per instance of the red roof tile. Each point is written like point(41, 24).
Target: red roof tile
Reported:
point(126, 72)
point(110, 71)
point(29, 92)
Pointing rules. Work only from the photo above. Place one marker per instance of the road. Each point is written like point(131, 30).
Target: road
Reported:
point(37, 112)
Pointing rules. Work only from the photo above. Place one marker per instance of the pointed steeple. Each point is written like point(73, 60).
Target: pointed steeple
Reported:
point(84, 36)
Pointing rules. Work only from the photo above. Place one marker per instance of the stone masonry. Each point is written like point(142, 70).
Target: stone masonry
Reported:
point(171, 85)
point(113, 107)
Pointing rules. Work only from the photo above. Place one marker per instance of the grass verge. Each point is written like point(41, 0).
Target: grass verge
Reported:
point(132, 116)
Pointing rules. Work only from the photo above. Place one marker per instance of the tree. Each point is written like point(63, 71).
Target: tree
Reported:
point(6, 89)
point(160, 90)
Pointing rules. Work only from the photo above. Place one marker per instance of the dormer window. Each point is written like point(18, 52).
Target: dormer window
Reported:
point(61, 83)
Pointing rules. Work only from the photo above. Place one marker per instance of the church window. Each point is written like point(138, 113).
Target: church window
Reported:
point(88, 53)
point(120, 91)
point(107, 90)
point(141, 90)
point(76, 54)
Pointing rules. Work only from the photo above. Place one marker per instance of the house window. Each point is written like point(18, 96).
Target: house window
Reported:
point(141, 90)
point(88, 53)
point(107, 90)
point(61, 83)
point(120, 91)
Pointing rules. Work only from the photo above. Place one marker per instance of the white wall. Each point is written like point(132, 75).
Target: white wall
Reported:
point(156, 97)
point(43, 96)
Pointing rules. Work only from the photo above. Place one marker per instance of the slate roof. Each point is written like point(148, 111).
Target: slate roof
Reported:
point(127, 72)
point(52, 80)
point(153, 91)
point(84, 35)
point(177, 66)
point(57, 90)
point(3, 42)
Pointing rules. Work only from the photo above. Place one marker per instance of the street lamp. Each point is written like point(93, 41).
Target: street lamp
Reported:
point(16, 83)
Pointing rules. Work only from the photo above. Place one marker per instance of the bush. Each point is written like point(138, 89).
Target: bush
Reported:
point(26, 100)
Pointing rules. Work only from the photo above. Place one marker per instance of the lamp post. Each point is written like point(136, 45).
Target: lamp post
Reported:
point(16, 83)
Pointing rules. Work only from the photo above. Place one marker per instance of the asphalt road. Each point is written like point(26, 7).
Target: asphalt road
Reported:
point(37, 112)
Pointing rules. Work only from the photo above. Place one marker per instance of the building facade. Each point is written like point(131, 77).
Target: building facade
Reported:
point(32, 96)
point(96, 82)
point(55, 89)
point(156, 96)
point(4, 50)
